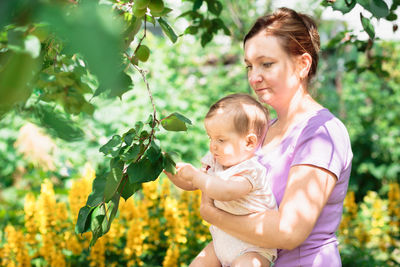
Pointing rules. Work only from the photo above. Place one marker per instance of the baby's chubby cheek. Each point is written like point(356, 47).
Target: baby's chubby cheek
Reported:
point(229, 150)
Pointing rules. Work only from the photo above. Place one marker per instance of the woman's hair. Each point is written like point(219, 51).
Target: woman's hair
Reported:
point(297, 33)
point(247, 113)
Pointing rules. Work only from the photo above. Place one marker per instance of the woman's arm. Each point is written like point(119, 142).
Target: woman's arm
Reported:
point(307, 191)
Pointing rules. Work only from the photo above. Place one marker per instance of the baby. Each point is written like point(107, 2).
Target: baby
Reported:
point(232, 177)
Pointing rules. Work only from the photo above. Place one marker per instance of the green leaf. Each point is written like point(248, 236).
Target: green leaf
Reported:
point(344, 6)
point(83, 224)
point(112, 147)
point(96, 222)
point(367, 26)
point(164, 12)
point(153, 153)
point(144, 170)
point(124, 85)
point(91, 29)
point(392, 16)
point(127, 189)
point(128, 136)
point(16, 72)
point(133, 29)
point(113, 179)
point(131, 153)
point(350, 65)
point(57, 123)
point(112, 208)
point(139, 126)
point(378, 8)
point(197, 4)
point(206, 37)
point(96, 197)
point(169, 163)
point(167, 30)
point(191, 30)
point(214, 7)
point(221, 25)
point(175, 122)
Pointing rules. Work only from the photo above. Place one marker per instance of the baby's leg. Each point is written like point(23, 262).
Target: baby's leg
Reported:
point(250, 259)
point(206, 257)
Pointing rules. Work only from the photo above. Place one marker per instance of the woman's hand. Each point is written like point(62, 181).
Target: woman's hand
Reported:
point(207, 207)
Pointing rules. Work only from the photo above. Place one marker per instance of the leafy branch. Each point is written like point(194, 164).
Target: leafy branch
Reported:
point(136, 158)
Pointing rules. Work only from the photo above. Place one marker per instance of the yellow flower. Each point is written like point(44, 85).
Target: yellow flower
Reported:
point(14, 251)
point(171, 257)
point(80, 190)
point(97, 253)
point(134, 242)
point(30, 214)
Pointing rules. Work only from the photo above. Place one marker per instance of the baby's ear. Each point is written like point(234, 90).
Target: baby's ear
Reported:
point(251, 141)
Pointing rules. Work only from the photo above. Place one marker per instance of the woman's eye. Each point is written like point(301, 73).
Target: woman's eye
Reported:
point(220, 140)
point(267, 64)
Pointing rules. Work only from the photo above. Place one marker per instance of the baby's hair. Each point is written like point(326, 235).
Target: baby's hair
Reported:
point(248, 114)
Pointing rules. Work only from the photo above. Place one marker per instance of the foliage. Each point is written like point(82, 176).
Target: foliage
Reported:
point(73, 63)
point(136, 158)
point(162, 227)
point(362, 93)
point(55, 72)
point(159, 227)
point(369, 231)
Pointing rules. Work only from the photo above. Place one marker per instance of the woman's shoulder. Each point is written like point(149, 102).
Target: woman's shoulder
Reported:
point(324, 121)
point(324, 131)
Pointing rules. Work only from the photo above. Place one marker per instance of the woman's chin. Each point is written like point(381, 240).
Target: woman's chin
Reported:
point(264, 98)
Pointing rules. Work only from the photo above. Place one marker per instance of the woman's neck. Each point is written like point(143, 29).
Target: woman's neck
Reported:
point(300, 105)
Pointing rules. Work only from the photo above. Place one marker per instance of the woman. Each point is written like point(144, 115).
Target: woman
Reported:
point(306, 150)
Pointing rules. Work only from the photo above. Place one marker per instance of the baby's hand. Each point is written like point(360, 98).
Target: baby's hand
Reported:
point(186, 171)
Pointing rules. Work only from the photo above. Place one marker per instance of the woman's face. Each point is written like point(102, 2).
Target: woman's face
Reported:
point(271, 71)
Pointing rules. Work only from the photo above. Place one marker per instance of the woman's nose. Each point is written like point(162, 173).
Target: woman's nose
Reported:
point(254, 77)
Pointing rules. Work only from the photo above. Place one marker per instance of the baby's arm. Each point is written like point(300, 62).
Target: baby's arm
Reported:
point(213, 186)
point(179, 182)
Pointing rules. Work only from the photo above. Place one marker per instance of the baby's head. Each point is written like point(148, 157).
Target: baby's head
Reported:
point(236, 125)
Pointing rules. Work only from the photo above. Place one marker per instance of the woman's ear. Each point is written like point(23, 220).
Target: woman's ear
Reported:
point(304, 65)
point(251, 141)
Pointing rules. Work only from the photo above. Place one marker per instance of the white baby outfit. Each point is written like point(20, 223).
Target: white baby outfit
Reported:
point(227, 247)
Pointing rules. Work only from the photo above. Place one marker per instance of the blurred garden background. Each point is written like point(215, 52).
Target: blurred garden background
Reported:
point(79, 78)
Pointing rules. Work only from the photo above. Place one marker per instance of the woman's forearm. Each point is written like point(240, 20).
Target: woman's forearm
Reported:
point(257, 230)
point(308, 189)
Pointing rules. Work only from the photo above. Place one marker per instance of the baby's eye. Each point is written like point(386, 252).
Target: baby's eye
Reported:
point(248, 67)
point(221, 140)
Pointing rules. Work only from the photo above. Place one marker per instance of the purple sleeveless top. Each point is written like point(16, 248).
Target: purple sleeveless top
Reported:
point(320, 140)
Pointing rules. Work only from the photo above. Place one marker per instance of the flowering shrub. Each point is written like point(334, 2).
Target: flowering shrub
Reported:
point(369, 231)
point(156, 228)
point(162, 227)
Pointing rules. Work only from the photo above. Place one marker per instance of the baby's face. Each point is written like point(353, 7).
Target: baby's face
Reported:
point(226, 145)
